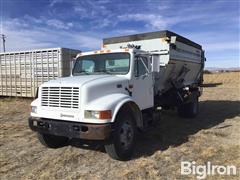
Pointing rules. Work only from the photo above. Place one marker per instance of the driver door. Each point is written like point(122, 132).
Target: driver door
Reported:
point(142, 83)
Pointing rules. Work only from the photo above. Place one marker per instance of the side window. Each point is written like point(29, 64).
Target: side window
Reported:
point(145, 61)
point(140, 66)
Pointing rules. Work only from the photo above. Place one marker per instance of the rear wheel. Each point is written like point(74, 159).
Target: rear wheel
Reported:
point(122, 140)
point(189, 110)
point(52, 141)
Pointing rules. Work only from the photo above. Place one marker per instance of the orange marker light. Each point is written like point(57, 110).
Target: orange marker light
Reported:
point(105, 114)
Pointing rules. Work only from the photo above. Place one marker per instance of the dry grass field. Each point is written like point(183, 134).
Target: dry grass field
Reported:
point(213, 136)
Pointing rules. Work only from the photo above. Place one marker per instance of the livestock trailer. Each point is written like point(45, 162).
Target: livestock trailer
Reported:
point(22, 72)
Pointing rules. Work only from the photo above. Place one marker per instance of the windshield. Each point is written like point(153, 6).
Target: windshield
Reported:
point(112, 63)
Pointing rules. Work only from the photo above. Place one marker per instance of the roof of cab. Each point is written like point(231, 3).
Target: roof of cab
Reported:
point(102, 51)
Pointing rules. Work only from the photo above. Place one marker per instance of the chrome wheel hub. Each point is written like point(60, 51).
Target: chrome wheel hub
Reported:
point(126, 135)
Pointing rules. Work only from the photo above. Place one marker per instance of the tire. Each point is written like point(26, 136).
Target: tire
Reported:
point(189, 110)
point(52, 141)
point(122, 141)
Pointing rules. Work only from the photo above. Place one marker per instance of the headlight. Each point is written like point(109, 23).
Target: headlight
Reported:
point(34, 109)
point(98, 114)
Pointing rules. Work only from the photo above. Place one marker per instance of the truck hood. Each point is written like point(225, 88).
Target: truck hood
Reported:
point(78, 81)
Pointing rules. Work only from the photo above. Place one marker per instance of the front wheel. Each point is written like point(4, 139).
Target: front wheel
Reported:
point(52, 141)
point(122, 140)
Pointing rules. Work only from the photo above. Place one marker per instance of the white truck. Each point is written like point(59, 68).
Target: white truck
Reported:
point(118, 90)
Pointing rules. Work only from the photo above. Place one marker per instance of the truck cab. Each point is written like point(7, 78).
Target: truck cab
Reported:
point(105, 87)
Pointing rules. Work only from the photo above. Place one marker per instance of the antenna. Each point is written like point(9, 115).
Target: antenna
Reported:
point(3, 40)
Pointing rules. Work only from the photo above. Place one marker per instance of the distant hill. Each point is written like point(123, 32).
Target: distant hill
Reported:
point(217, 69)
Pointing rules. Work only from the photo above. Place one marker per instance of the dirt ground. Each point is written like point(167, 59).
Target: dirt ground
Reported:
point(213, 136)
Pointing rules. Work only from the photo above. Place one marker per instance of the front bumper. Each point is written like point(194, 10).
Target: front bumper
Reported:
point(70, 129)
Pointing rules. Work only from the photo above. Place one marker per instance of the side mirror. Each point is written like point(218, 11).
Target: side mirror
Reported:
point(156, 62)
point(173, 39)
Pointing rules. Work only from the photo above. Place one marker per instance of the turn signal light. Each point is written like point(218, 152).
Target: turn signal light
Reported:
point(105, 114)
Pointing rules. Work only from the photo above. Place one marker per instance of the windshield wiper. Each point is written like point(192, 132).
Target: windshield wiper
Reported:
point(83, 72)
point(104, 71)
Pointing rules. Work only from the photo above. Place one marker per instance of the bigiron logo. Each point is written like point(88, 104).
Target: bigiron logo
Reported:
point(202, 171)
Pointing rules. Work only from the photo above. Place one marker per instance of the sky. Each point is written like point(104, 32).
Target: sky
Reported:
point(82, 24)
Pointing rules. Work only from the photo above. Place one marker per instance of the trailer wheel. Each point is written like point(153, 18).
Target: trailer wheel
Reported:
point(122, 140)
point(52, 141)
point(189, 110)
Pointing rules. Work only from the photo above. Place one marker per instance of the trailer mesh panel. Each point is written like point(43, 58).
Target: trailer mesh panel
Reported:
point(21, 73)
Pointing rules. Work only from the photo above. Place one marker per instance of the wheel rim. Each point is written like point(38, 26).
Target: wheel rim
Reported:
point(126, 135)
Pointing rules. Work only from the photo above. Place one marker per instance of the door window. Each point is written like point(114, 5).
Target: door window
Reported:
point(140, 66)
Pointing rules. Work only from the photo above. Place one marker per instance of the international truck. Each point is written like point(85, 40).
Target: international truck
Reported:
point(118, 91)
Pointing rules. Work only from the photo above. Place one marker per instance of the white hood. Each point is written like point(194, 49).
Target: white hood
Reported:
point(78, 81)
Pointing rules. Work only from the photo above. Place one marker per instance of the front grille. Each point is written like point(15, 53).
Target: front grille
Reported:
point(65, 97)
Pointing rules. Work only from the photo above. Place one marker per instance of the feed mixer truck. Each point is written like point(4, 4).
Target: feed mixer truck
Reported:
point(119, 90)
